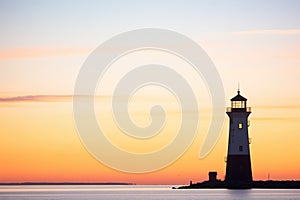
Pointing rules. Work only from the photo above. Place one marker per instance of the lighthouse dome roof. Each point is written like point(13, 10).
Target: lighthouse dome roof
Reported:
point(238, 97)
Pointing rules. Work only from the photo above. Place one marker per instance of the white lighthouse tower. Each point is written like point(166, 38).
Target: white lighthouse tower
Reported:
point(238, 167)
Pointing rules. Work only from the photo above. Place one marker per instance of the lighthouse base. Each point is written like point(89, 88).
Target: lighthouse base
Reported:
point(238, 169)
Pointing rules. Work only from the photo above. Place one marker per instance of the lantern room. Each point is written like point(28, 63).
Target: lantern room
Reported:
point(238, 103)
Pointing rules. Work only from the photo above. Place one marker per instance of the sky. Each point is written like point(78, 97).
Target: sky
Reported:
point(43, 45)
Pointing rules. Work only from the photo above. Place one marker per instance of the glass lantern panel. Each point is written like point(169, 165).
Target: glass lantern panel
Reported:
point(238, 104)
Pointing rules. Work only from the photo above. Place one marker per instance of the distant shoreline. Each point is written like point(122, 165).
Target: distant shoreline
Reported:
point(68, 183)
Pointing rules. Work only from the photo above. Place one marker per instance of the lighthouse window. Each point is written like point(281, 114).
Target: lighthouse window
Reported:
point(238, 104)
point(242, 104)
point(240, 125)
point(240, 148)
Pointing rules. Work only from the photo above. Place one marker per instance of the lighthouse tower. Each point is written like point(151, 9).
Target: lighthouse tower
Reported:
point(238, 167)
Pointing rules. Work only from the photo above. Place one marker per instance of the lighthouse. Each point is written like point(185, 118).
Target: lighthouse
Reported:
point(238, 162)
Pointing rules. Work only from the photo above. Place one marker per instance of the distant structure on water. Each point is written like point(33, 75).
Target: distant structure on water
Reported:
point(212, 176)
point(238, 162)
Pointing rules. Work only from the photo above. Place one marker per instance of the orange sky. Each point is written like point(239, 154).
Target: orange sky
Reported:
point(39, 143)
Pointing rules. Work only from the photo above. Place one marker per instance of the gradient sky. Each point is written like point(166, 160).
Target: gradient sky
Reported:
point(44, 43)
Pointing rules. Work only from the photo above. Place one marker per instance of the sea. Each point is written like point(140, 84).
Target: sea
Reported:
point(143, 192)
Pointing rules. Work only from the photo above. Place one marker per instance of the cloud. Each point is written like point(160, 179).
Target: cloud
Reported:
point(271, 107)
point(268, 32)
point(47, 98)
point(34, 52)
point(37, 98)
point(290, 119)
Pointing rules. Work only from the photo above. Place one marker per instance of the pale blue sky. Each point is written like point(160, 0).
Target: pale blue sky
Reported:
point(29, 23)
point(271, 58)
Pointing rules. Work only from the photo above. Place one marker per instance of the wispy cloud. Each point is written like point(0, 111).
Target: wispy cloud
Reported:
point(48, 98)
point(34, 52)
point(291, 119)
point(276, 107)
point(268, 32)
point(37, 98)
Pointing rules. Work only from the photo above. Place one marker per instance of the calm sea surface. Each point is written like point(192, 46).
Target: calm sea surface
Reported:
point(137, 192)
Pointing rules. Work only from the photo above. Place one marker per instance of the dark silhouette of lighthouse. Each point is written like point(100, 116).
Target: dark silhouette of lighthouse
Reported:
point(238, 167)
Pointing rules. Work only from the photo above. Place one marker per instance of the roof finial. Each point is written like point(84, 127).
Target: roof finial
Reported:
point(238, 88)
